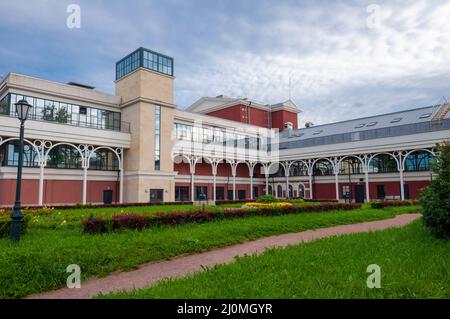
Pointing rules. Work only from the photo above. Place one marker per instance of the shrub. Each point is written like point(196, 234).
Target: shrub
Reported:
point(267, 199)
point(5, 225)
point(94, 225)
point(435, 199)
point(132, 221)
point(129, 221)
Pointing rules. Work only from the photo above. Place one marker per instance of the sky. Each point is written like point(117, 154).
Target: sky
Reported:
point(336, 60)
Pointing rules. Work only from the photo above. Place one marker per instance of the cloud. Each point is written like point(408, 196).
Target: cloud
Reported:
point(337, 66)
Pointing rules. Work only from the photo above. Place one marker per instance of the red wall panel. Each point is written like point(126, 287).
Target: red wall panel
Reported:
point(281, 117)
point(56, 191)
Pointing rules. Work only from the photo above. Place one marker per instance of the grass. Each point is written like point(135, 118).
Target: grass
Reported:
point(39, 261)
point(413, 265)
point(64, 218)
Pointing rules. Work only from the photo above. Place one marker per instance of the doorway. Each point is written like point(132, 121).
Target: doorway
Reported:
point(107, 196)
point(359, 194)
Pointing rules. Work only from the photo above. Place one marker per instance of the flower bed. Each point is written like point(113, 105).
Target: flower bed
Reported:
point(116, 205)
point(269, 205)
point(392, 203)
point(134, 221)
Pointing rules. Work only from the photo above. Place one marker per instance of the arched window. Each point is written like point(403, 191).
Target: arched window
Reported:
point(383, 163)
point(418, 161)
point(64, 156)
point(291, 191)
point(280, 171)
point(301, 191)
point(279, 191)
point(9, 154)
point(323, 167)
point(350, 165)
point(298, 169)
point(105, 160)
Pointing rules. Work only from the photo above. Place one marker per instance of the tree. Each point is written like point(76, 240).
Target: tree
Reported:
point(61, 115)
point(435, 199)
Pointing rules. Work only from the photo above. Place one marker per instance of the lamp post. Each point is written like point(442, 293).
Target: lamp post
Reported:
point(22, 110)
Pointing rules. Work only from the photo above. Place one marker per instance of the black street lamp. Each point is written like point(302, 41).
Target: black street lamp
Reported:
point(22, 110)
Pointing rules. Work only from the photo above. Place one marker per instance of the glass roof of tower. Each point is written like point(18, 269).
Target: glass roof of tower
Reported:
point(144, 58)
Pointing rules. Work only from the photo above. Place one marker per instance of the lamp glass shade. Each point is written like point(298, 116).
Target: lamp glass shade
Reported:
point(22, 109)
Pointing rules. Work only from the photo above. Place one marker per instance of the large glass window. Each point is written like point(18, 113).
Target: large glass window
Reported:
point(383, 163)
point(385, 132)
point(105, 160)
point(323, 167)
point(298, 169)
point(144, 58)
point(418, 161)
point(9, 155)
point(64, 156)
point(351, 165)
point(65, 113)
point(157, 137)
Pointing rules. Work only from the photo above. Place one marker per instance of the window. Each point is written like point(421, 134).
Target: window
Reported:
point(396, 120)
point(418, 161)
point(383, 163)
point(181, 193)
point(381, 194)
point(157, 137)
point(360, 125)
point(220, 193)
point(66, 113)
point(424, 116)
point(201, 193)
point(371, 124)
point(156, 195)
point(241, 194)
point(144, 58)
point(9, 155)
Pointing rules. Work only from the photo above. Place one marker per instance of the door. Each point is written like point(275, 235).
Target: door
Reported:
point(220, 193)
point(381, 194)
point(359, 194)
point(182, 193)
point(107, 196)
point(241, 194)
point(156, 195)
point(406, 190)
point(255, 192)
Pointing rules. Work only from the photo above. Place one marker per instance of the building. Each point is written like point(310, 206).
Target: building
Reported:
point(84, 146)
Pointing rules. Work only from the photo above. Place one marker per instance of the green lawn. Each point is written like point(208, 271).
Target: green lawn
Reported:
point(39, 261)
point(65, 218)
point(413, 265)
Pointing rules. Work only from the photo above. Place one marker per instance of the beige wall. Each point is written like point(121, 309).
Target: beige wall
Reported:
point(145, 88)
point(145, 84)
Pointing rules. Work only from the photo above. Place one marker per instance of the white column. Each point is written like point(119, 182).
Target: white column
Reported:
point(402, 190)
point(214, 187)
point(121, 187)
point(310, 187)
point(192, 187)
point(336, 179)
point(41, 185)
point(267, 184)
point(251, 187)
point(287, 185)
point(234, 186)
point(84, 184)
point(366, 177)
